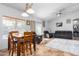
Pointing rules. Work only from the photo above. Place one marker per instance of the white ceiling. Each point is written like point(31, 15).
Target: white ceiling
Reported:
point(46, 10)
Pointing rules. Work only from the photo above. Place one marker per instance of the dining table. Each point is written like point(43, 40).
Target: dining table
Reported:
point(20, 37)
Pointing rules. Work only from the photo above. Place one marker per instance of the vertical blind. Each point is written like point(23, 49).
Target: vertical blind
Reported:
point(10, 24)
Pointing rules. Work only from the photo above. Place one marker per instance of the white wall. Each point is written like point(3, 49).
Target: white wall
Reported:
point(4, 10)
point(51, 24)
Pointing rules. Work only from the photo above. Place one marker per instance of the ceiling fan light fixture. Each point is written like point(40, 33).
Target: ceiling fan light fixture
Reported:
point(30, 11)
point(59, 14)
point(25, 14)
point(75, 21)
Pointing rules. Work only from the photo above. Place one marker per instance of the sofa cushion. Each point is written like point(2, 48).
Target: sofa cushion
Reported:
point(63, 34)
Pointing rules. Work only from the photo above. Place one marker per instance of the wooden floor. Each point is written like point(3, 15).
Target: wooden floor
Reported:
point(42, 50)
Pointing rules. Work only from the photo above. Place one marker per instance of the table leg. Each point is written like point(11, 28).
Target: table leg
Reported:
point(34, 45)
point(18, 49)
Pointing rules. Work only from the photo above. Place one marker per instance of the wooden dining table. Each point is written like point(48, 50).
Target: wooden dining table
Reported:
point(20, 37)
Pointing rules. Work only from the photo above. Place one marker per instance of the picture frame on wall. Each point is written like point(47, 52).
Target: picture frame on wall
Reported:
point(68, 21)
point(59, 24)
point(28, 22)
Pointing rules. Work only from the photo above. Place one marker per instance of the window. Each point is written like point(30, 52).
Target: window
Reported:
point(12, 24)
point(8, 25)
point(39, 28)
point(21, 26)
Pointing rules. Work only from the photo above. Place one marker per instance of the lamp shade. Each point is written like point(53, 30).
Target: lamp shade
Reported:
point(30, 11)
point(25, 14)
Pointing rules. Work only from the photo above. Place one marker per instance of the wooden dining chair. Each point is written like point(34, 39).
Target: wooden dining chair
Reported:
point(11, 42)
point(28, 40)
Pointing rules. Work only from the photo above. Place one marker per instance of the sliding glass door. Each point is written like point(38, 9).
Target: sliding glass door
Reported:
point(8, 25)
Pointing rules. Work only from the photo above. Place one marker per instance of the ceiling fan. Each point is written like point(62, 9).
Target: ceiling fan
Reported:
point(28, 10)
point(60, 12)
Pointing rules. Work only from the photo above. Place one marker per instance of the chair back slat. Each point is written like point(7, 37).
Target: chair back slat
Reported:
point(28, 36)
point(10, 36)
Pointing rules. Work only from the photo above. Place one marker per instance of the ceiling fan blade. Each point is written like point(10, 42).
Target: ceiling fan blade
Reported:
point(28, 5)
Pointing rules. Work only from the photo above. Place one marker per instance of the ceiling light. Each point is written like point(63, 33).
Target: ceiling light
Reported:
point(57, 14)
point(75, 21)
point(25, 14)
point(30, 11)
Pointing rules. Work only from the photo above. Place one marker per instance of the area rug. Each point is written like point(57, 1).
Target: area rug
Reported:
point(67, 45)
point(41, 50)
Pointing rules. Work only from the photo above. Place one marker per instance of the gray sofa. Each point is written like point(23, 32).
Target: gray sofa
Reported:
point(63, 34)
